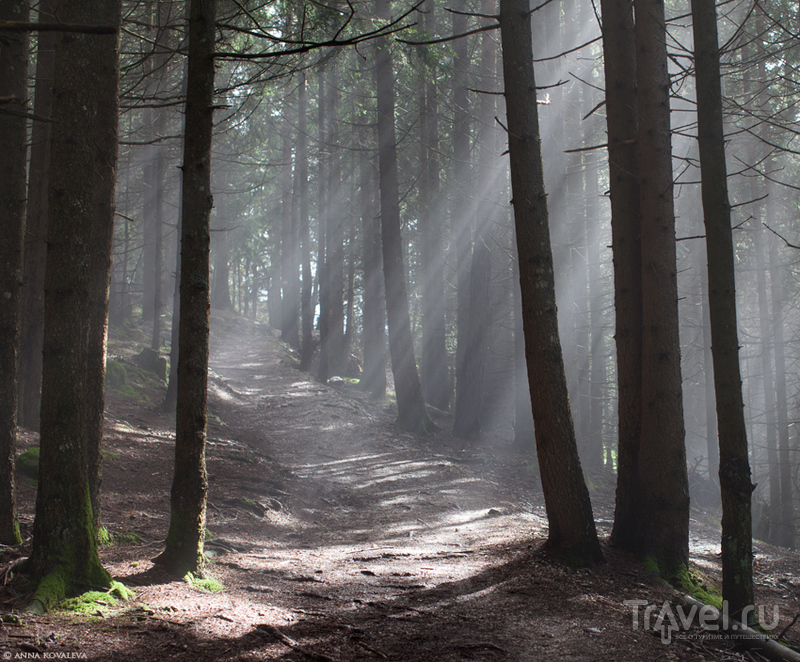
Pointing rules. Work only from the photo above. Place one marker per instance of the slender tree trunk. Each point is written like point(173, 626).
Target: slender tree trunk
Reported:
point(64, 557)
point(569, 511)
point(221, 287)
point(374, 320)
point(461, 189)
point(663, 526)
point(433, 370)
point(289, 306)
point(524, 440)
point(334, 251)
point(30, 358)
point(105, 185)
point(184, 546)
point(13, 162)
point(786, 525)
point(620, 76)
point(411, 413)
point(301, 173)
point(467, 418)
point(734, 466)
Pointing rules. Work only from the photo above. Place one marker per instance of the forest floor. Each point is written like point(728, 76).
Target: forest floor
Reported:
point(338, 537)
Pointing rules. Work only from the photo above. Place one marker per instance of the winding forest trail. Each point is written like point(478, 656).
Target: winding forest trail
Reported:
point(338, 537)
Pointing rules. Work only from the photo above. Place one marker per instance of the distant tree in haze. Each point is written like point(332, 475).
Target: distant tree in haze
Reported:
point(184, 545)
point(411, 412)
point(13, 161)
point(64, 558)
point(30, 366)
point(569, 511)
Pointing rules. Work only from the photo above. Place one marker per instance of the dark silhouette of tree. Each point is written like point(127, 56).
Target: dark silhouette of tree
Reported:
point(662, 531)
point(620, 77)
point(64, 559)
point(734, 466)
point(569, 511)
point(411, 412)
point(13, 162)
point(184, 545)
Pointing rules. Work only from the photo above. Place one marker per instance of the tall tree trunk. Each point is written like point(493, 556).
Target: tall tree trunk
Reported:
point(620, 76)
point(569, 511)
point(734, 467)
point(374, 320)
point(663, 526)
point(411, 413)
point(334, 251)
point(289, 305)
point(301, 173)
point(105, 185)
point(13, 163)
point(469, 387)
point(786, 524)
point(461, 216)
point(184, 546)
point(433, 370)
point(30, 358)
point(64, 558)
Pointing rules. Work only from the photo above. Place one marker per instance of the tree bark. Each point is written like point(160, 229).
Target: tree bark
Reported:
point(569, 511)
point(105, 184)
point(13, 165)
point(620, 75)
point(184, 545)
point(663, 527)
point(734, 467)
point(411, 412)
point(30, 359)
point(64, 558)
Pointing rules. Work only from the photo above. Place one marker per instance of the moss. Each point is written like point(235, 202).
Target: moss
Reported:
point(27, 463)
point(119, 590)
point(205, 584)
point(698, 585)
point(91, 603)
point(650, 564)
point(103, 536)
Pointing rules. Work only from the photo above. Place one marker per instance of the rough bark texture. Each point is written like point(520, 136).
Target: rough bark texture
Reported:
point(30, 359)
point(64, 558)
point(663, 526)
point(411, 412)
point(734, 468)
point(104, 190)
point(13, 128)
point(572, 530)
point(620, 75)
point(184, 548)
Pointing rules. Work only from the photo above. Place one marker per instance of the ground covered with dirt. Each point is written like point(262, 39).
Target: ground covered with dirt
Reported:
point(335, 536)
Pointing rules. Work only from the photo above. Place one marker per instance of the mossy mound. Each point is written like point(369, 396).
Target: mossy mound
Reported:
point(205, 584)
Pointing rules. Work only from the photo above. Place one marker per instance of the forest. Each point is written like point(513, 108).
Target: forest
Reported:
point(548, 250)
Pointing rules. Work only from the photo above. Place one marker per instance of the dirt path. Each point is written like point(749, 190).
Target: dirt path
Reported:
point(337, 537)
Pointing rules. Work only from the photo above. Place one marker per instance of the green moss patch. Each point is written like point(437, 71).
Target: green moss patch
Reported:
point(700, 587)
point(205, 584)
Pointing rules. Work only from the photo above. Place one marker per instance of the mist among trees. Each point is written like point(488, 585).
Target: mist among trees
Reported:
point(566, 230)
